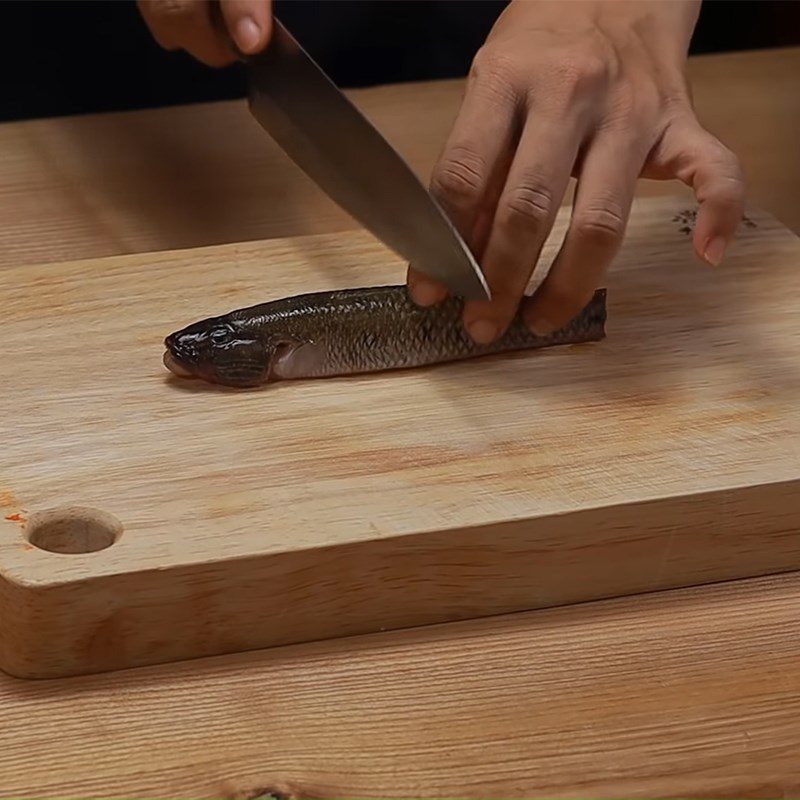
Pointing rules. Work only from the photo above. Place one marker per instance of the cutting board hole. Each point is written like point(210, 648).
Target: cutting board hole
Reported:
point(73, 530)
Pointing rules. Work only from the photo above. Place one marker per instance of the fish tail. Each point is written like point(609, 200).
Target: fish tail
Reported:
point(596, 313)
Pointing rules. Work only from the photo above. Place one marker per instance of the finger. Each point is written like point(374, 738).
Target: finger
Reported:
point(600, 212)
point(475, 237)
point(524, 217)
point(186, 25)
point(701, 161)
point(471, 164)
point(249, 23)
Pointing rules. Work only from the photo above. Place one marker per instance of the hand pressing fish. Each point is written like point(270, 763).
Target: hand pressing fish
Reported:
point(326, 334)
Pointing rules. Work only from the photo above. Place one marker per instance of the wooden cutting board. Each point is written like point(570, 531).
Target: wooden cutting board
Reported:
point(202, 521)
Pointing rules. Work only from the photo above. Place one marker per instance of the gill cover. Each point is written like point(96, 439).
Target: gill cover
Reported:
point(236, 357)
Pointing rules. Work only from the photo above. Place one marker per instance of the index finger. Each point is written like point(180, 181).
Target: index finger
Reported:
point(470, 171)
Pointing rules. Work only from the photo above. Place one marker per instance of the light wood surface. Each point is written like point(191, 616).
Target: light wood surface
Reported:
point(664, 456)
point(82, 187)
point(691, 693)
point(684, 693)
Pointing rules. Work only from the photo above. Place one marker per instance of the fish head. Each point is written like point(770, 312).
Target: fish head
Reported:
point(218, 351)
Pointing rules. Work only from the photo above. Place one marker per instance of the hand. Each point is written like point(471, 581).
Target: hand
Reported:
point(190, 25)
point(591, 89)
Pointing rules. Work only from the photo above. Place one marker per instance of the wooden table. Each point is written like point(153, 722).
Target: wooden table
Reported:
point(692, 692)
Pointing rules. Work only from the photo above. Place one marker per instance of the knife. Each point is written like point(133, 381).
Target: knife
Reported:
point(339, 149)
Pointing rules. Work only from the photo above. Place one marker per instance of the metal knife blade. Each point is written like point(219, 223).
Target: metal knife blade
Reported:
point(337, 147)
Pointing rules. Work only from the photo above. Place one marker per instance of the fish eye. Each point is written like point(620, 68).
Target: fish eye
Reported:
point(220, 334)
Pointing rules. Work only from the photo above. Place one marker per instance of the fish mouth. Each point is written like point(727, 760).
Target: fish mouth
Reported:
point(176, 366)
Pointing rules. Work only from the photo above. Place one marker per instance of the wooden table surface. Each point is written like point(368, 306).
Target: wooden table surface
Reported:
point(692, 692)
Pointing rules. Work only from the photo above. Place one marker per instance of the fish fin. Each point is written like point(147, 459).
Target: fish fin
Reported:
point(295, 359)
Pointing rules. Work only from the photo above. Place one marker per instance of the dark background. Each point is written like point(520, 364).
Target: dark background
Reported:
point(69, 56)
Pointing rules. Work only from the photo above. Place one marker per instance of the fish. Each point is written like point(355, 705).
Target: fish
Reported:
point(348, 332)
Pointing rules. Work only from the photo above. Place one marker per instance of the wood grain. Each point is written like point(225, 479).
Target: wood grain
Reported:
point(164, 179)
point(460, 710)
point(664, 457)
point(691, 693)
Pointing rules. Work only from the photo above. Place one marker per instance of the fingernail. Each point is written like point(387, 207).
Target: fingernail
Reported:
point(715, 250)
point(248, 34)
point(425, 293)
point(482, 331)
point(542, 327)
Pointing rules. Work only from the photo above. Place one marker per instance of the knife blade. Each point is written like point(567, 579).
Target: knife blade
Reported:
point(328, 138)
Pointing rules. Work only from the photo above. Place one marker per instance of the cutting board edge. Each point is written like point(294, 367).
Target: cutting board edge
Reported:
point(356, 234)
point(204, 251)
point(177, 614)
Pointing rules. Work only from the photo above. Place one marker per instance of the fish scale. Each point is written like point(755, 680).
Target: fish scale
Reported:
point(363, 330)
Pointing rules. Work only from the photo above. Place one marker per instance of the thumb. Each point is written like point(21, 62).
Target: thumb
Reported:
point(249, 23)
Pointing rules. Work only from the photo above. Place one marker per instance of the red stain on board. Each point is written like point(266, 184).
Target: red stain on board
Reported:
point(16, 518)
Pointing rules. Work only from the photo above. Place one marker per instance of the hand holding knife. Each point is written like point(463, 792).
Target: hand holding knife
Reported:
point(548, 98)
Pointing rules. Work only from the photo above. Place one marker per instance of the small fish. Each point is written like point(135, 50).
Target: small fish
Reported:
point(347, 332)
